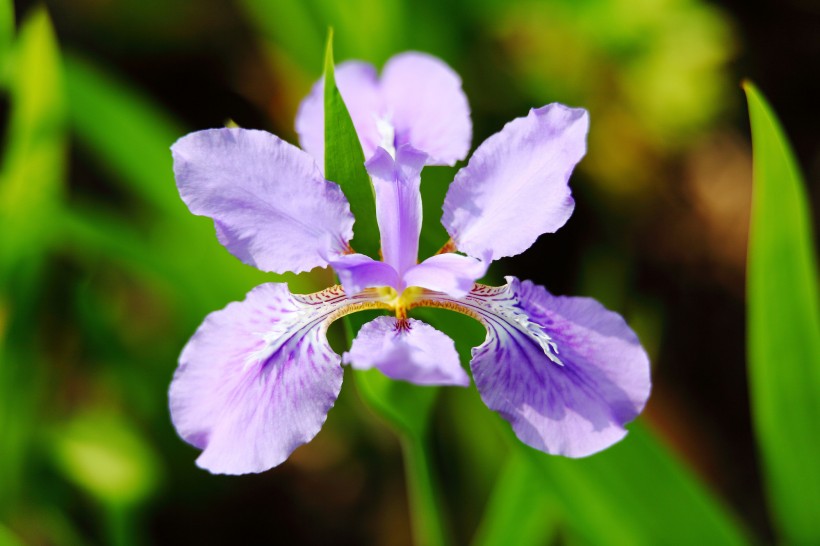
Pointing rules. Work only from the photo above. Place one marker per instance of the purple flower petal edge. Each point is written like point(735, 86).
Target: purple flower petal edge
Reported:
point(409, 350)
point(257, 378)
point(565, 372)
point(515, 186)
point(270, 204)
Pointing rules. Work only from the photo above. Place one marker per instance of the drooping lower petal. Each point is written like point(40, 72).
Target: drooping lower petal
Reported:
point(566, 373)
point(258, 377)
point(397, 184)
point(450, 273)
point(408, 349)
point(515, 187)
point(427, 107)
point(270, 204)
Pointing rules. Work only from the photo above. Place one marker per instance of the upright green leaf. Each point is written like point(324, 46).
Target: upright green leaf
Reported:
point(344, 162)
point(292, 24)
point(783, 330)
point(636, 493)
point(31, 184)
point(31, 178)
point(6, 36)
point(521, 510)
point(127, 133)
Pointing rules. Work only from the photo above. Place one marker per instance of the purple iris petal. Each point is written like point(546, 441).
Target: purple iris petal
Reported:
point(418, 101)
point(566, 373)
point(357, 272)
point(515, 186)
point(450, 273)
point(257, 378)
point(427, 107)
point(358, 83)
point(398, 204)
point(270, 204)
point(409, 350)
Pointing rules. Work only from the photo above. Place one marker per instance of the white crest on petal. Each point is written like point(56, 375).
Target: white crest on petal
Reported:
point(387, 132)
point(304, 313)
point(495, 306)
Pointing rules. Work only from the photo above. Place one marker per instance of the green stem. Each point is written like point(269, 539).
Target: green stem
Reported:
point(426, 513)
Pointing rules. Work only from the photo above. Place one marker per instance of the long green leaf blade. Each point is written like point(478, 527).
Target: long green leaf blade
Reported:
point(31, 189)
point(635, 493)
point(344, 162)
point(521, 510)
point(783, 329)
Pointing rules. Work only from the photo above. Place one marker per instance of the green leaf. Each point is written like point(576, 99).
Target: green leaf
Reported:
point(635, 493)
point(31, 185)
point(291, 23)
point(344, 162)
point(7, 538)
point(131, 136)
point(521, 510)
point(33, 165)
point(783, 329)
point(6, 36)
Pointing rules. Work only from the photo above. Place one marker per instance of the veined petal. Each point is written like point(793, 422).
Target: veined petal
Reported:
point(409, 350)
point(515, 186)
point(427, 107)
point(258, 377)
point(566, 373)
point(450, 273)
point(270, 205)
point(358, 84)
point(398, 204)
point(357, 272)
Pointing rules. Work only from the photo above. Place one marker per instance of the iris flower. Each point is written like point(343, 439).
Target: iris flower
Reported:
point(258, 377)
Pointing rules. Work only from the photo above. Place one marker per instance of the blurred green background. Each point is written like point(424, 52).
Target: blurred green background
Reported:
point(104, 274)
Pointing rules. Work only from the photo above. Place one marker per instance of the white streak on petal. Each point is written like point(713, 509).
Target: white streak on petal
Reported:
point(258, 377)
point(576, 409)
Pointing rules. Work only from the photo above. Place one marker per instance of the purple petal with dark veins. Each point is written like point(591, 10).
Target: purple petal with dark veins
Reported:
point(515, 186)
point(270, 205)
point(565, 372)
point(409, 350)
point(257, 378)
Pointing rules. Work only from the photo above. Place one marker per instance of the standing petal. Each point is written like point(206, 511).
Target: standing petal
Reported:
point(358, 84)
point(427, 107)
point(270, 205)
point(257, 378)
point(398, 204)
point(418, 101)
point(515, 186)
point(409, 350)
point(565, 372)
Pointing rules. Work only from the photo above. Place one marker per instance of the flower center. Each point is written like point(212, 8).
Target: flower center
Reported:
point(400, 302)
